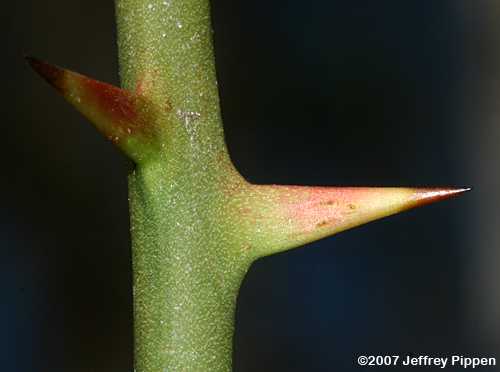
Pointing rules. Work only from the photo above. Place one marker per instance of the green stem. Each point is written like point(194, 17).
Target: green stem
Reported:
point(186, 275)
point(166, 53)
point(185, 285)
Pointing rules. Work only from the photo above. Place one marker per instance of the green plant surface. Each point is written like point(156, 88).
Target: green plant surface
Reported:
point(196, 224)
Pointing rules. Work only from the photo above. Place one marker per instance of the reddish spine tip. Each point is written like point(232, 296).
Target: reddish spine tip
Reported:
point(52, 74)
point(431, 195)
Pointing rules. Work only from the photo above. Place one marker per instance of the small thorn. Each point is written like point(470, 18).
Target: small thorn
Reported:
point(52, 74)
point(118, 114)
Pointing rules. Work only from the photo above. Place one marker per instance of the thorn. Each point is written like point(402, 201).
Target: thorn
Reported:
point(296, 215)
point(118, 114)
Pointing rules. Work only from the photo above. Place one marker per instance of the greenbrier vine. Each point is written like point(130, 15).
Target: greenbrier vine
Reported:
point(196, 224)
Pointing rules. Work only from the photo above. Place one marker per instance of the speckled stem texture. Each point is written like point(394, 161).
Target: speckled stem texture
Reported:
point(186, 266)
point(196, 224)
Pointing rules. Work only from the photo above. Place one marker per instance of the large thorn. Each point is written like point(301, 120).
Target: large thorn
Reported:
point(283, 217)
point(120, 115)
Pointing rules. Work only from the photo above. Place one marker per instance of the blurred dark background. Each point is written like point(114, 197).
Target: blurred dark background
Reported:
point(338, 92)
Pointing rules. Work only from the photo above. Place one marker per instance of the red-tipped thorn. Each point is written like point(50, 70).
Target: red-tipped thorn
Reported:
point(295, 215)
point(118, 114)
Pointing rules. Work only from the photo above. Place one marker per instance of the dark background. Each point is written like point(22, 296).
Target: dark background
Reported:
point(381, 93)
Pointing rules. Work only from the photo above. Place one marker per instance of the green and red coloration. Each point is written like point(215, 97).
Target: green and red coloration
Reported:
point(284, 217)
point(121, 116)
point(196, 224)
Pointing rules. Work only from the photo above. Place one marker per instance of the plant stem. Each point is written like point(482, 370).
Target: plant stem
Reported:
point(185, 277)
point(166, 53)
point(185, 284)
